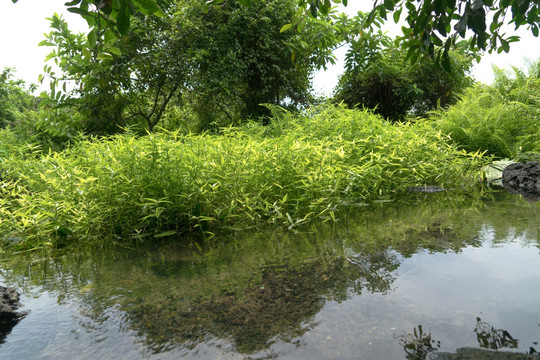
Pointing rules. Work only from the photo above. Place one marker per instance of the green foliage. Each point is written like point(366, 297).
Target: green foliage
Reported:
point(243, 59)
point(297, 169)
point(502, 119)
point(88, 84)
point(220, 63)
point(432, 23)
point(435, 25)
point(379, 76)
point(15, 99)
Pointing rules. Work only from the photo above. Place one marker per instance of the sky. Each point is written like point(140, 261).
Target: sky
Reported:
point(23, 24)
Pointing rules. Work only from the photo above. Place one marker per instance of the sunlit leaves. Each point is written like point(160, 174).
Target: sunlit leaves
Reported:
point(426, 17)
point(296, 170)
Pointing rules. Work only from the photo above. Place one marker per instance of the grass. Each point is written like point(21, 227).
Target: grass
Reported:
point(298, 169)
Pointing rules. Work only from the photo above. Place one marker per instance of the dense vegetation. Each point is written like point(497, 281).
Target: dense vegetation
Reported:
point(431, 23)
point(502, 120)
point(379, 76)
point(204, 120)
point(299, 168)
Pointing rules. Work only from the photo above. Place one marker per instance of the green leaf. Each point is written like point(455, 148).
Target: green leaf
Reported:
point(438, 5)
point(149, 7)
point(285, 27)
point(105, 56)
point(245, 2)
point(72, 3)
point(505, 45)
point(382, 12)
point(313, 10)
point(86, 53)
point(115, 51)
point(92, 38)
point(110, 37)
point(534, 30)
point(410, 6)
point(389, 4)
point(397, 15)
point(79, 11)
point(344, 2)
point(122, 20)
point(165, 233)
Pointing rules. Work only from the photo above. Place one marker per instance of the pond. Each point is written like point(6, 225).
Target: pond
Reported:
point(388, 282)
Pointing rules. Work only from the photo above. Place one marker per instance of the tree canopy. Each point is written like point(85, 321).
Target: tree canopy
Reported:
point(432, 24)
point(221, 63)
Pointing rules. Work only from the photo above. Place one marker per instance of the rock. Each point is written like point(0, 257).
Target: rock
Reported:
point(524, 179)
point(9, 317)
point(426, 189)
point(9, 300)
point(481, 354)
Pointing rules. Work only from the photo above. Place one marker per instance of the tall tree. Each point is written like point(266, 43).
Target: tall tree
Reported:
point(432, 23)
point(224, 60)
point(378, 75)
point(243, 60)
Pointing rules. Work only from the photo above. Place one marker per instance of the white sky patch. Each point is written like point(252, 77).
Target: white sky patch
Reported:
point(23, 24)
point(526, 51)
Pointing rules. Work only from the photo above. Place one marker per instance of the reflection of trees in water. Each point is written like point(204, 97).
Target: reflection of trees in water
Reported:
point(490, 338)
point(256, 288)
point(279, 305)
point(418, 345)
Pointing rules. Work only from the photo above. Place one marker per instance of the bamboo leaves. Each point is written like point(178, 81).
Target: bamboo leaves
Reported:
point(288, 173)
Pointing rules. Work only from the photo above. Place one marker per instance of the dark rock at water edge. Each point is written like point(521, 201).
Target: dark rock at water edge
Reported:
point(523, 178)
point(9, 300)
point(9, 317)
point(481, 354)
point(429, 189)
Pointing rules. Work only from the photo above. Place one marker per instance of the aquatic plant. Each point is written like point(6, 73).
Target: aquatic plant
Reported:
point(299, 168)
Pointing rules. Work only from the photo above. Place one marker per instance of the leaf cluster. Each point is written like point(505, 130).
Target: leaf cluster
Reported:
point(298, 169)
point(502, 119)
point(15, 98)
point(434, 26)
point(379, 76)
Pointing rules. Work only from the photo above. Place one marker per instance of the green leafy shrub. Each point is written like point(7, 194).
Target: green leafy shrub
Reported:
point(300, 168)
point(380, 76)
point(502, 119)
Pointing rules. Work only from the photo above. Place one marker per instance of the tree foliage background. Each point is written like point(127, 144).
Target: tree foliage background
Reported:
point(379, 76)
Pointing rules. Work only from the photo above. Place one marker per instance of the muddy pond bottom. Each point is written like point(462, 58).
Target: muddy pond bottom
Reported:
point(421, 281)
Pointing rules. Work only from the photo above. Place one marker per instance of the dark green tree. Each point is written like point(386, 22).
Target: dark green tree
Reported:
point(221, 61)
point(243, 60)
point(378, 76)
point(15, 98)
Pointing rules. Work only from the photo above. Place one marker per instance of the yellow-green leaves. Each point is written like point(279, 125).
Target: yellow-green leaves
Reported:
point(295, 170)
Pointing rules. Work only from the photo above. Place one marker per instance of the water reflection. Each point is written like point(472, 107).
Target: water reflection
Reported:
point(268, 294)
point(490, 338)
point(418, 344)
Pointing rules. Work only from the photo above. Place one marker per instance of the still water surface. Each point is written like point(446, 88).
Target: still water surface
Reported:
point(390, 282)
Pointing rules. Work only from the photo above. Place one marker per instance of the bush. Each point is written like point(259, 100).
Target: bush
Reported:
point(379, 76)
point(502, 120)
point(300, 168)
